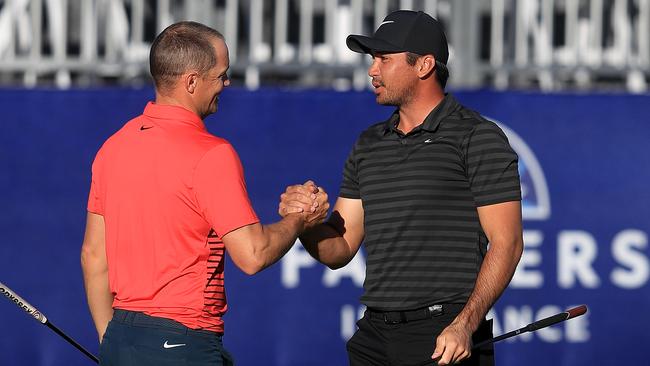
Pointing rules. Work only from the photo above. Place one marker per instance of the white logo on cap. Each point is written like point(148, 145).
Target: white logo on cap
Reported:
point(386, 22)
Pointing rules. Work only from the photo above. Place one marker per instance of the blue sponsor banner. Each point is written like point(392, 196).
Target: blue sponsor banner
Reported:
point(585, 169)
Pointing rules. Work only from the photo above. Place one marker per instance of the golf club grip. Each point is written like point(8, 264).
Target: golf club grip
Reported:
point(13, 297)
point(571, 313)
point(21, 303)
point(577, 311)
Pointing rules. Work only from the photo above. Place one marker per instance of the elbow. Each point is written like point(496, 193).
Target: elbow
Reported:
point(252, 266)
point(251, 270)
point(86, 257)
point(517, 250)
point(337, 263)
point(519, 247)
point(93, 261)
point(246, 256)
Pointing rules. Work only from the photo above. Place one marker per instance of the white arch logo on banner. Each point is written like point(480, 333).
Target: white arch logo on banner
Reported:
point(536, 202)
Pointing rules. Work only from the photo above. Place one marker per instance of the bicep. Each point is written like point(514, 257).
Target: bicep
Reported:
point(347, 218)
point(501, 222)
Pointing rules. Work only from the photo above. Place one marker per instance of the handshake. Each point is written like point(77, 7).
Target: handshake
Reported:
point(307, 200)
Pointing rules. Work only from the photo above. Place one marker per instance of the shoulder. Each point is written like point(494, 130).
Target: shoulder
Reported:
point(114, 141)
point(218, 150)
point(218, 162)
point(210, 141)
point(463, 116)
point(198, 144)
point(117, 137)
point(372, 133)
point(467, 124)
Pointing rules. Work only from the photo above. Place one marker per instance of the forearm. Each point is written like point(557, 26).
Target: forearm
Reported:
point(95, 271)
point(496, 272)
point(335, 242)
point(99, 296)
point(278, 239)
point(325, 244)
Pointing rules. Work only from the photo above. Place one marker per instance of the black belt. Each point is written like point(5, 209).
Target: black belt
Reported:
point(398, 317)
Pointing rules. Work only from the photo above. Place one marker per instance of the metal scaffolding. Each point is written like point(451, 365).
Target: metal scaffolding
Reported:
point(529, 44)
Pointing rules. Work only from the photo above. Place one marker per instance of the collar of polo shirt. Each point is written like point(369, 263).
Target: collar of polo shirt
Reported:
point(447, 105)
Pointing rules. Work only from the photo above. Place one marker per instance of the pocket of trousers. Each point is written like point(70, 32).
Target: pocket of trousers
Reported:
point(104, 346)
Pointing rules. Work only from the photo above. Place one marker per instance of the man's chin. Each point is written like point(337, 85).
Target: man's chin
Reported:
point(205, 114)
point(384, 101)
point(214, 108)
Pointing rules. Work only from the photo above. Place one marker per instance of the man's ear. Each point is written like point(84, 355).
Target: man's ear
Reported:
point(426, 66)
point(189, 81)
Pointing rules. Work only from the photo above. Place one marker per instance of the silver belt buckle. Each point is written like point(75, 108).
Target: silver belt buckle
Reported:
point(435, 310)
point(388, 321)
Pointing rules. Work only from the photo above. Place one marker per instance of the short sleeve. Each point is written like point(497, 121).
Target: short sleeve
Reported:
point(220, 190)
point(95, 197)
point(491, 166)
point(350, 182)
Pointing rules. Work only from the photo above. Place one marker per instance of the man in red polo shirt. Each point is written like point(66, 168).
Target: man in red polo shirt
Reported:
point(167, 198)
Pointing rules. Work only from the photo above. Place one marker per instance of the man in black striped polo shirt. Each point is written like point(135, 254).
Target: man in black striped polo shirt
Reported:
point(426, 191)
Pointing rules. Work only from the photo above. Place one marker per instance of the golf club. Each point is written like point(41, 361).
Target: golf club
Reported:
point(36, 314)
point(542, 323)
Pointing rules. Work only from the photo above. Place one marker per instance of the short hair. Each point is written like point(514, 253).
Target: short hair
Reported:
point(181, 47)
point(442, 72)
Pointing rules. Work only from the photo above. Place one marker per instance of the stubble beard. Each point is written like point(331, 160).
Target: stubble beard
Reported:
point(212, 108)
point(396, 98)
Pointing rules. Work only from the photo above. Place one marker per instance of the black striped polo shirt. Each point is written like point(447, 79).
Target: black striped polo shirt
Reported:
point(420, 191)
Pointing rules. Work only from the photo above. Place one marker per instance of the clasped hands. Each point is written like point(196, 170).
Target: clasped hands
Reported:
point(307, 200)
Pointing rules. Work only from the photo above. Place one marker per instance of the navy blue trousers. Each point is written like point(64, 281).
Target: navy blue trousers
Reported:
point(136, 339)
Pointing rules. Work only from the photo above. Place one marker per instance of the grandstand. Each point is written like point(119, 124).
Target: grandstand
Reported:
point(524, 44)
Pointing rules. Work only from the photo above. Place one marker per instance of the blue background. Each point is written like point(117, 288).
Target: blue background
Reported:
point(593, 150)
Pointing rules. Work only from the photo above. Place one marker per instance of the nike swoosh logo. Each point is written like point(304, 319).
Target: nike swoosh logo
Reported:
point(143, 127)
point(167, 345)
point(386, 22)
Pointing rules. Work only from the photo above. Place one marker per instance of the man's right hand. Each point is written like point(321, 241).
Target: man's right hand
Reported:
point(307, 199)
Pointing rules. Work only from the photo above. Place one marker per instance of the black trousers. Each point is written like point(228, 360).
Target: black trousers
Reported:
point(378, 343)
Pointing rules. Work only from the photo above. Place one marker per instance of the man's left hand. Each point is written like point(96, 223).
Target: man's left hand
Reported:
point(453, 345)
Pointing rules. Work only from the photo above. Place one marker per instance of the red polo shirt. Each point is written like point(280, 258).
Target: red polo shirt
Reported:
point(168, 191)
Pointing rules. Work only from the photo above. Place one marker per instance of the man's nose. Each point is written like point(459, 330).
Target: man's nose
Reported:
point(373, 70)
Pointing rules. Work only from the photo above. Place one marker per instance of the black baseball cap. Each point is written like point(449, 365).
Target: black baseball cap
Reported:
point(405, 31)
